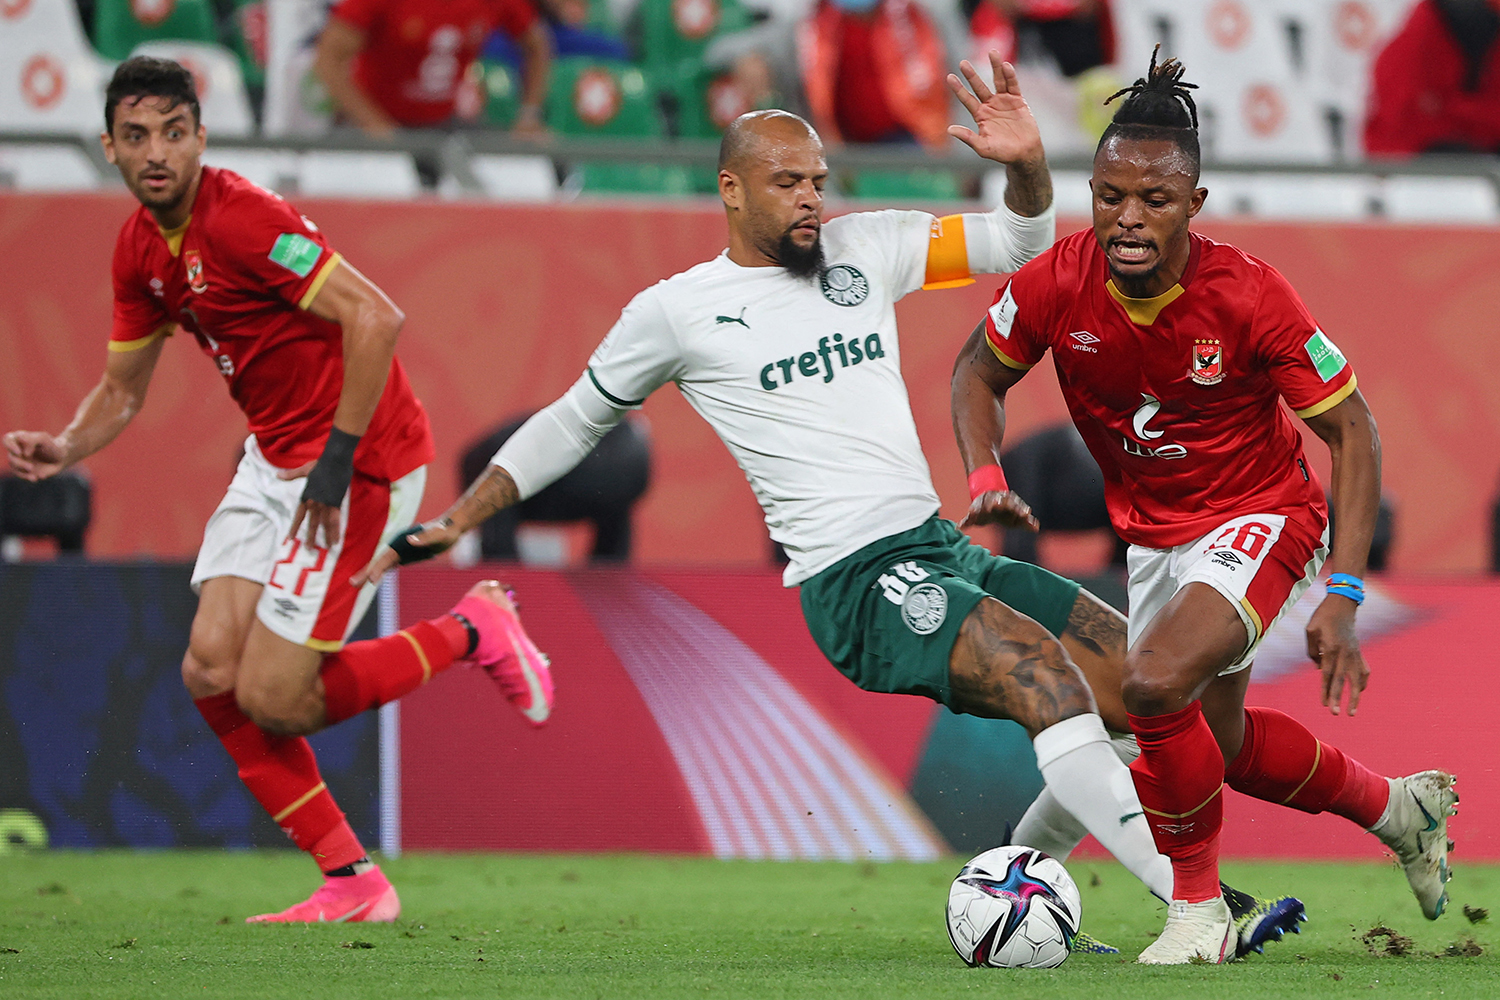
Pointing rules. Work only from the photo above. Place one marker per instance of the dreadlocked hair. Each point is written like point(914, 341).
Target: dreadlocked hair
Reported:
point(1159, 108)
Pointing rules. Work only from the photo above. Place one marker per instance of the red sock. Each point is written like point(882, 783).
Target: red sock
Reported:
point(1282, 762)
point(282, 774)
point(1180, 779)
point(365, 675)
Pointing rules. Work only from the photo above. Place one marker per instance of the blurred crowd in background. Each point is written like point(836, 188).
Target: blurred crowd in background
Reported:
point(1282, 80)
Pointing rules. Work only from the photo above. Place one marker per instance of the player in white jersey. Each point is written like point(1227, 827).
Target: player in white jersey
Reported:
point(786, 344)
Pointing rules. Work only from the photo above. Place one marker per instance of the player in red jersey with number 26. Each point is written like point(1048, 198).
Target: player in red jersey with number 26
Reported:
point(334, 468)
point(1174, 353)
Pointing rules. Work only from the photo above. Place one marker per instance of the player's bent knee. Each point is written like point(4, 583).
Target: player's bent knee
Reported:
point(1150, 692)
point(274, 712)
point(209, 665)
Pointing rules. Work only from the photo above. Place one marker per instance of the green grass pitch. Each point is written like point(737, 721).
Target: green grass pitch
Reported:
point(169, 925)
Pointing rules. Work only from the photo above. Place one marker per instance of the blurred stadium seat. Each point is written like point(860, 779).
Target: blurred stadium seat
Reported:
point(221, 85)
point(1411, 198)
point(346, 174)
point(273, 169)
point(501, 91)
point(51, 80)
point(46, 167)
point(515, 178)
point(1070, 191)
point(919, 183)
point(1312, 196)
point(59, 508)
point(605, 98)
point(122, 25)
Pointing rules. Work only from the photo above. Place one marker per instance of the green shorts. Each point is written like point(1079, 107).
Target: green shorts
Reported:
point(888, 615)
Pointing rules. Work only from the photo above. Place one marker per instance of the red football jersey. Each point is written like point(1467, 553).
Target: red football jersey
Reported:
point(416, 52)
point(1178, 396)
point(239, 276)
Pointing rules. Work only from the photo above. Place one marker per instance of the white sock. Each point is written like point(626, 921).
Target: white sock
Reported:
point(1050, 828)
point(1088, 784)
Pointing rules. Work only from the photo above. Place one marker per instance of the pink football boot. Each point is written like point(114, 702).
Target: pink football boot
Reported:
point(348, 899)
point(506, 652)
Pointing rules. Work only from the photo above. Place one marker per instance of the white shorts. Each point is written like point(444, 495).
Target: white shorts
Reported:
point(1261, 563)
point(307, 597)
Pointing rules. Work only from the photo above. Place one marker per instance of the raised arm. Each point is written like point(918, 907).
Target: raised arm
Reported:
point(103, 414)
point(1354, 444)
point(371, 323)
point(980, 382)
point(1005, 131)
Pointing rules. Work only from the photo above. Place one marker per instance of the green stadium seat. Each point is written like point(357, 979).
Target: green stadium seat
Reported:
point(919, 183)
point(121, 25)
point(502, 93)
point(592, 97)
point(674, 34)
point(248, 37)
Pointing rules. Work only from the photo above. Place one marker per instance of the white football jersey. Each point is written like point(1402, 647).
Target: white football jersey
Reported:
point(801, 379)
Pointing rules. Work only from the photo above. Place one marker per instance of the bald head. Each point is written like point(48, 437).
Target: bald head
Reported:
point(761, 135)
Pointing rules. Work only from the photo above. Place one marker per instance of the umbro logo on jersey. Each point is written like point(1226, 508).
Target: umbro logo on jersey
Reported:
point(1086, 342)
point(1227, 558)
point(740, 319)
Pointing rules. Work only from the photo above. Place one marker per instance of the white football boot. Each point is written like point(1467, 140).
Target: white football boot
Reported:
point(1195, 932)
point(1415, 827)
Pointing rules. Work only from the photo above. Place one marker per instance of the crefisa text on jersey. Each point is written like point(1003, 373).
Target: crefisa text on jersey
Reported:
point(809, 363)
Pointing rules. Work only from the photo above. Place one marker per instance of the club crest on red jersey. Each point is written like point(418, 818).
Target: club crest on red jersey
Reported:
point(1208, 362)
point(194, 262)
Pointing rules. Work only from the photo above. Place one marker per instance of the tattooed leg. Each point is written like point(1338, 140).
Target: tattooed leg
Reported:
point(1006, 666)
point(1095, 638)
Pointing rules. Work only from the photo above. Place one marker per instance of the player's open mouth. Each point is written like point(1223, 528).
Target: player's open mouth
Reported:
point(1128, 252)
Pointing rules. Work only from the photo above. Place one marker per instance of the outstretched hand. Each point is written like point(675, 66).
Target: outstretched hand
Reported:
point(1005, 130)
point(1333, 646)
point(433, 538)
point(1002, 507)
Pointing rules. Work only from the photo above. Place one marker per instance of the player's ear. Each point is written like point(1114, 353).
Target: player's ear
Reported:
point(1195, 203)
point(108, 142)
point(731, 189)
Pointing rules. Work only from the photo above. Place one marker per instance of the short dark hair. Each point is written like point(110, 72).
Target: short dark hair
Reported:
point(148, 76)
point(1159, 109)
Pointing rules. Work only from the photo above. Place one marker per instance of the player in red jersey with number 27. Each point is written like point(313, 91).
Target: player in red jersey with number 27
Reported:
point(334, 467)
point(1174, 353)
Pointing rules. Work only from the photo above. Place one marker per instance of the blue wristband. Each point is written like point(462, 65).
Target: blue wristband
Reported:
point(1346, 580)
point(1355, 594)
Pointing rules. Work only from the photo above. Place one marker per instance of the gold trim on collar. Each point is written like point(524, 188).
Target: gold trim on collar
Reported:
point(1143, 312)
point(174, 236)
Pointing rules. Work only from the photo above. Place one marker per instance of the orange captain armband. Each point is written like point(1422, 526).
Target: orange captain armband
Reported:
point(947, 255)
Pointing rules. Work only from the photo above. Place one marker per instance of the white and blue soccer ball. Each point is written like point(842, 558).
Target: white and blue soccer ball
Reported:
point(1013, 908)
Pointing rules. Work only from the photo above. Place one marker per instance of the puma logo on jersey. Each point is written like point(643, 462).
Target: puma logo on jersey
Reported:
point(813, 364)
point(740, 319)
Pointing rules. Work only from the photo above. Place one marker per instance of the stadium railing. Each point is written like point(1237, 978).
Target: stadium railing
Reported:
point(495, 165)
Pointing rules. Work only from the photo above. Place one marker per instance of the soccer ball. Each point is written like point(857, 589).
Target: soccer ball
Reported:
point(1013, 908)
